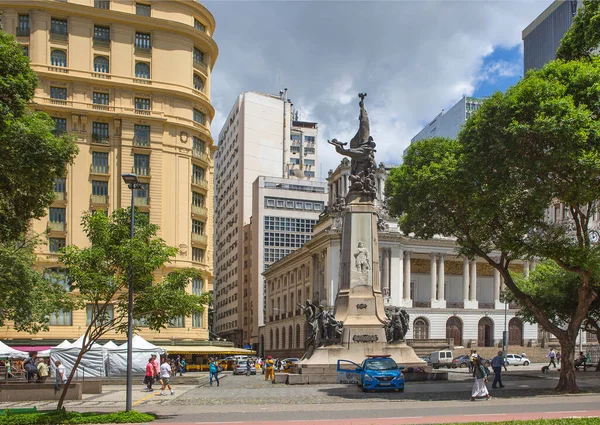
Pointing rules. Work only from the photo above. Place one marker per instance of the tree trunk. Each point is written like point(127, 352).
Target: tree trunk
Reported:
point(71, 375)
point(567, 382)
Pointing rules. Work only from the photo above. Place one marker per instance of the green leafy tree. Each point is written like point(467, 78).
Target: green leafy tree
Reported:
point(31, 157)
point(535, 145)
point(583, 38)
point(100, 278)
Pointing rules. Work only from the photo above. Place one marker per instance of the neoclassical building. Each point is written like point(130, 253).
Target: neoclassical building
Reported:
point(131, 80)
point(447, 296)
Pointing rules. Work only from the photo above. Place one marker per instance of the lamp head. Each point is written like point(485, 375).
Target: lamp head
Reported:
point(130, 179)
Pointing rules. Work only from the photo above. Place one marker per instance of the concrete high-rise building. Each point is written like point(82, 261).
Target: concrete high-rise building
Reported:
point(542, 37)
point(259, 138)
point(449, 123)
point(106, 75)
point(284, 214)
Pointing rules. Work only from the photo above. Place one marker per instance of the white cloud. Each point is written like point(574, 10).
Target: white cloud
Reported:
point(413, 58)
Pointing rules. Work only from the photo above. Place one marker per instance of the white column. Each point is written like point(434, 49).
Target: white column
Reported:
point(442, 279)
point(526, 268)
point(407, 300)
point(473, 292)
point(497, 289)
point(465, 279)
point(397, 276)
point(433, 276)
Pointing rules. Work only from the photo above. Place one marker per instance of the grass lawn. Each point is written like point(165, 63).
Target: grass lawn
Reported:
point(61, 417)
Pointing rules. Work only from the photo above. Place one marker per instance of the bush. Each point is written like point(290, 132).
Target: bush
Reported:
point(61, 417)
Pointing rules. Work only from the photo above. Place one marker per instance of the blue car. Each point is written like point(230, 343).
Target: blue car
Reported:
point(375, 373)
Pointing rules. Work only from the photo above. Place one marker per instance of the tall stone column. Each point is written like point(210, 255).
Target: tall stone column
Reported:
point(433, 276)
point(497, 289)
point(465, 279)
point(396, 275)
point(385, 275)
point(471, 279)
point(440, 302)
point(408, 302)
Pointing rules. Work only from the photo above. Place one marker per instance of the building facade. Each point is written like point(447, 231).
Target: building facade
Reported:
point(259, 138)
point(447, 296)
point(542, 37)
point(449, 123)
point(106, 76)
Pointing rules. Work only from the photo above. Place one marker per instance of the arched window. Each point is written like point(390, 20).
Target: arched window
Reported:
point(420, 329)
point(298, 336)
point(283, 338)
point(58, 58)
point(290, 338)
point(271, 339)
point(142, 70)
point(277, 339)
point(101, 64)
point(198, 83)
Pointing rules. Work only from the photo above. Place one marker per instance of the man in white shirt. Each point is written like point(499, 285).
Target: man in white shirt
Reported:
point(165, 375)
point(61, 375)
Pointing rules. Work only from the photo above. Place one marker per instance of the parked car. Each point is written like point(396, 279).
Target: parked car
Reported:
point(464, 360)
point(517, 360)
point(376, 373)
point(240, 368)
point(441, 358)
point(426, 359)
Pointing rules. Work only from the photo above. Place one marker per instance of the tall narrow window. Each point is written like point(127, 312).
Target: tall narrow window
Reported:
point(23, 26)
point(197, 199)
point(142, 104)
point(199, 25)
point(141, 196)
point(99, 192)
point(197, 227)
point(101, 36)
point(198, 83)
point(56, 244)
point(177, 322)
point(101, 64)
point(100, 132)
point(58, 58)
point(141, 164)
point(199, 117)
point(61, 318)
point(60, 126)
point(57, 218)
point(197, 174)
point(60, 185)
point(141, 134)
point(100, 98)
point(100, 162)
point(58, 27)
point(142, 42)
point(198, 56)
point(142, 70)
point(59, 95)
point(198, 254)
point(198, 146)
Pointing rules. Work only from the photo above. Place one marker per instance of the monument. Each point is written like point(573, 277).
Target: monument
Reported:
point(359, 326)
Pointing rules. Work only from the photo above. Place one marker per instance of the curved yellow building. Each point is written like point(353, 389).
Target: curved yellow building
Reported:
point(131, 80)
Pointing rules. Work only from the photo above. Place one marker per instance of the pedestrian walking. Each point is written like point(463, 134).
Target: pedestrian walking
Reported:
point(479, 386)
point(497, 363)
point(269, 369)
point(30, 367)
point(552, 356)
point(61, 375)
point(165, 376)
point(249, 364)
point(178, 368)
point(42, 368)
point(156, 367)
point(183, 365)
point(213, 370)
point(149, 377)
point(558, 356)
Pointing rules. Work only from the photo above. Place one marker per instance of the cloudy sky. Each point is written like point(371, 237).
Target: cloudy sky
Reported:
point(413, 58)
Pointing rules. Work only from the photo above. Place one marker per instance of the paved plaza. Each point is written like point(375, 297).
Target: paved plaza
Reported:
point(244, 399)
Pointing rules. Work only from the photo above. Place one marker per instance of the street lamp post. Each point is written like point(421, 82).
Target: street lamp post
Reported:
point(133, 183)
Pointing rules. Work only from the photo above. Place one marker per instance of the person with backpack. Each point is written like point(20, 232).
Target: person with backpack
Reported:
point(30, 367)
point(213, 370)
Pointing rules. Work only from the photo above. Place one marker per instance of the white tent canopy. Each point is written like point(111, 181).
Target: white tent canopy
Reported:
point(142, 350)
point(110, 345)
point(46, 353)
point(6, 351)
point(91, 365)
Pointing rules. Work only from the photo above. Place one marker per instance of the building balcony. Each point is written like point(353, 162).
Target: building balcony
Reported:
point(102, 107)
point(145, 81)
point(23, 32)
point(60, 196)
point(200, 155)
point(103, 75)
point(99, 169)
point(487, 306)
point(201, 66)
point(143, 111)
point(59, 36)
point(200, 211)
point(56, 226)
point(99, 199)
point(59, 68)
point(422, 304)
point(458, 304)
point(141, 202)
point(141, 171)
point(200, 182)
point(62, 102)
point(201, 239)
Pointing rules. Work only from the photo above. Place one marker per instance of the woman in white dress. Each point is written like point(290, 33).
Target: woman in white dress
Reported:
point(479, 386)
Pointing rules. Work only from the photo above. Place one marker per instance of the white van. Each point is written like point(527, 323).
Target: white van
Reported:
point(442, 358)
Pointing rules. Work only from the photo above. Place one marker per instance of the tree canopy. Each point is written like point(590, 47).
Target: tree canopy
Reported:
point(583, 38)
point(534, 146)
point(100, 277)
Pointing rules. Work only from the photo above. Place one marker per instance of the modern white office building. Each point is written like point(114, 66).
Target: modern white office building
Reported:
point(448, 123)
point(259, 138)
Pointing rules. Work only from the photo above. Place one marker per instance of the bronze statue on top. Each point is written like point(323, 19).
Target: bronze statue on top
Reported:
point(362, 153)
